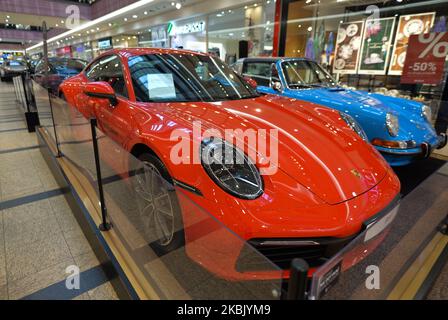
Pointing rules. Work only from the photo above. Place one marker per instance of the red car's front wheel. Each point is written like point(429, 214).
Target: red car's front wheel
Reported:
point(158, 205)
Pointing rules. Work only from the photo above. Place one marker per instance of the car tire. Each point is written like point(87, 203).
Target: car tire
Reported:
point(171, 236)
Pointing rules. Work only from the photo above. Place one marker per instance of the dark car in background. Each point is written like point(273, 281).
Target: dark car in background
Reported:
point(12, 68)
point(59, 69)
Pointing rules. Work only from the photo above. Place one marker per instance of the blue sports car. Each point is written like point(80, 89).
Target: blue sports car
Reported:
point(400, 129)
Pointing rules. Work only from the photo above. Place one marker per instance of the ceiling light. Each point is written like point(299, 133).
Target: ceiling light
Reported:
point(62, 21)
point(178, 6)
point(135, 16)
point(56, 25)
point(8, 17)
point(125, 19)
point(110, 24)
point(102, 19)
point(173, 4)
point(145, 13)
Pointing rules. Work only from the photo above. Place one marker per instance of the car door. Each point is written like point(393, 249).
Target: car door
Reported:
point(114, 121)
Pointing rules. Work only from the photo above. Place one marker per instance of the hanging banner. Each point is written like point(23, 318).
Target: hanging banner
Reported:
point(376, 45)
point(408, 26)
point(425, 58)
point(348, 45)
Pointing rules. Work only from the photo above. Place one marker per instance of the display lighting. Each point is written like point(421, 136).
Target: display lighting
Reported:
point(90, 24)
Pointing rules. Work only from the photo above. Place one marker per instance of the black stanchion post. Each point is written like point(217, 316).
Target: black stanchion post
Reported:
point(298, 280)
point(22, 77)
point(104, 226)
point(32, 119)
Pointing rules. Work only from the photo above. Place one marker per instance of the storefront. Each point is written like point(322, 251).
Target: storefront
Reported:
point(82, 51)
point(231, 33)
point(155, 37)
point(364, 45)
point(64, 52)
point(242, 32)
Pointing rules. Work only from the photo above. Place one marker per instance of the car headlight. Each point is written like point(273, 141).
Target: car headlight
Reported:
point(352, 123)
point(427, 112)
point(392, 124)
point(231, 169)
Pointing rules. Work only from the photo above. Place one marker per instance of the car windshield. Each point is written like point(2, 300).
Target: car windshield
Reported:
point(184, 77)
point(15, 63)
point(68, 65)
point(304, 73)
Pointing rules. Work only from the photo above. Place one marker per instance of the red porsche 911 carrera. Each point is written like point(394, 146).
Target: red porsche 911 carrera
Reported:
point(301, 180)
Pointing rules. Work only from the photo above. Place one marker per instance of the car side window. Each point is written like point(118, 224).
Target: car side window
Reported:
point(238, 67)
point(39, 67)
point(109, 69)
point(259, 71)
point(273, 73)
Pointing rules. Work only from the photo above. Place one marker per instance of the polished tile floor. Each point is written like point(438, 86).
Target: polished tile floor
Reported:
point(39, 236)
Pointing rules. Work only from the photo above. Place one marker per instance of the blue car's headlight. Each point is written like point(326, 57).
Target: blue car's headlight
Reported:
point(392, 124)
point(352, 123)
point(427, 112)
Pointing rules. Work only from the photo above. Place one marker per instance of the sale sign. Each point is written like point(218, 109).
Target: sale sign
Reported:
point(425, 58)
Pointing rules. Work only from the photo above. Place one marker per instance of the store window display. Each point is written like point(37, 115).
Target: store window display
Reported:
point(188, 34)
point(154, 37)
point(242, 32)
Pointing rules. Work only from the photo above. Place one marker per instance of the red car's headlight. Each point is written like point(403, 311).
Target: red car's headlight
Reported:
point(231, 169)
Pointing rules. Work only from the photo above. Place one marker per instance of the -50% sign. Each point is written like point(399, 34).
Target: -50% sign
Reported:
point(425, 58)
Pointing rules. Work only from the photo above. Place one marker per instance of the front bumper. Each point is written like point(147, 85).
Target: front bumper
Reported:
point(315, 251)
point(404, 156)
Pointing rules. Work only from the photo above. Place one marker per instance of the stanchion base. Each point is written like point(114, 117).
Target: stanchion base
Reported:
point(105, 226)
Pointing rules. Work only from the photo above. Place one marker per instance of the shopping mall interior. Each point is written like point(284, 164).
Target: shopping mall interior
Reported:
point(223, 150)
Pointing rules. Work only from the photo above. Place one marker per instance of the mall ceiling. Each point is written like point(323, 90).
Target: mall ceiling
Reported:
point(13, 24)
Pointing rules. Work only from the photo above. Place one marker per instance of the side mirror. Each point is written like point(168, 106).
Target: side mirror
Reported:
point(251, 82)
point(101, 90)
point(276, 85)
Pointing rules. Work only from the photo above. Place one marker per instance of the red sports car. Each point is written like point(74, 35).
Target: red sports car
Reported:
point(314, 192)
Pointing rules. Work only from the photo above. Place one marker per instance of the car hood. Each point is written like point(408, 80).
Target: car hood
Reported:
point(341, 98)
point(315, 147)
point(370, 110)
point(16, 68)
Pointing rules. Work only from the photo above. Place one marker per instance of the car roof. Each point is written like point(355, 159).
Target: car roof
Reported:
point(272, 59)
point(126, 52)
